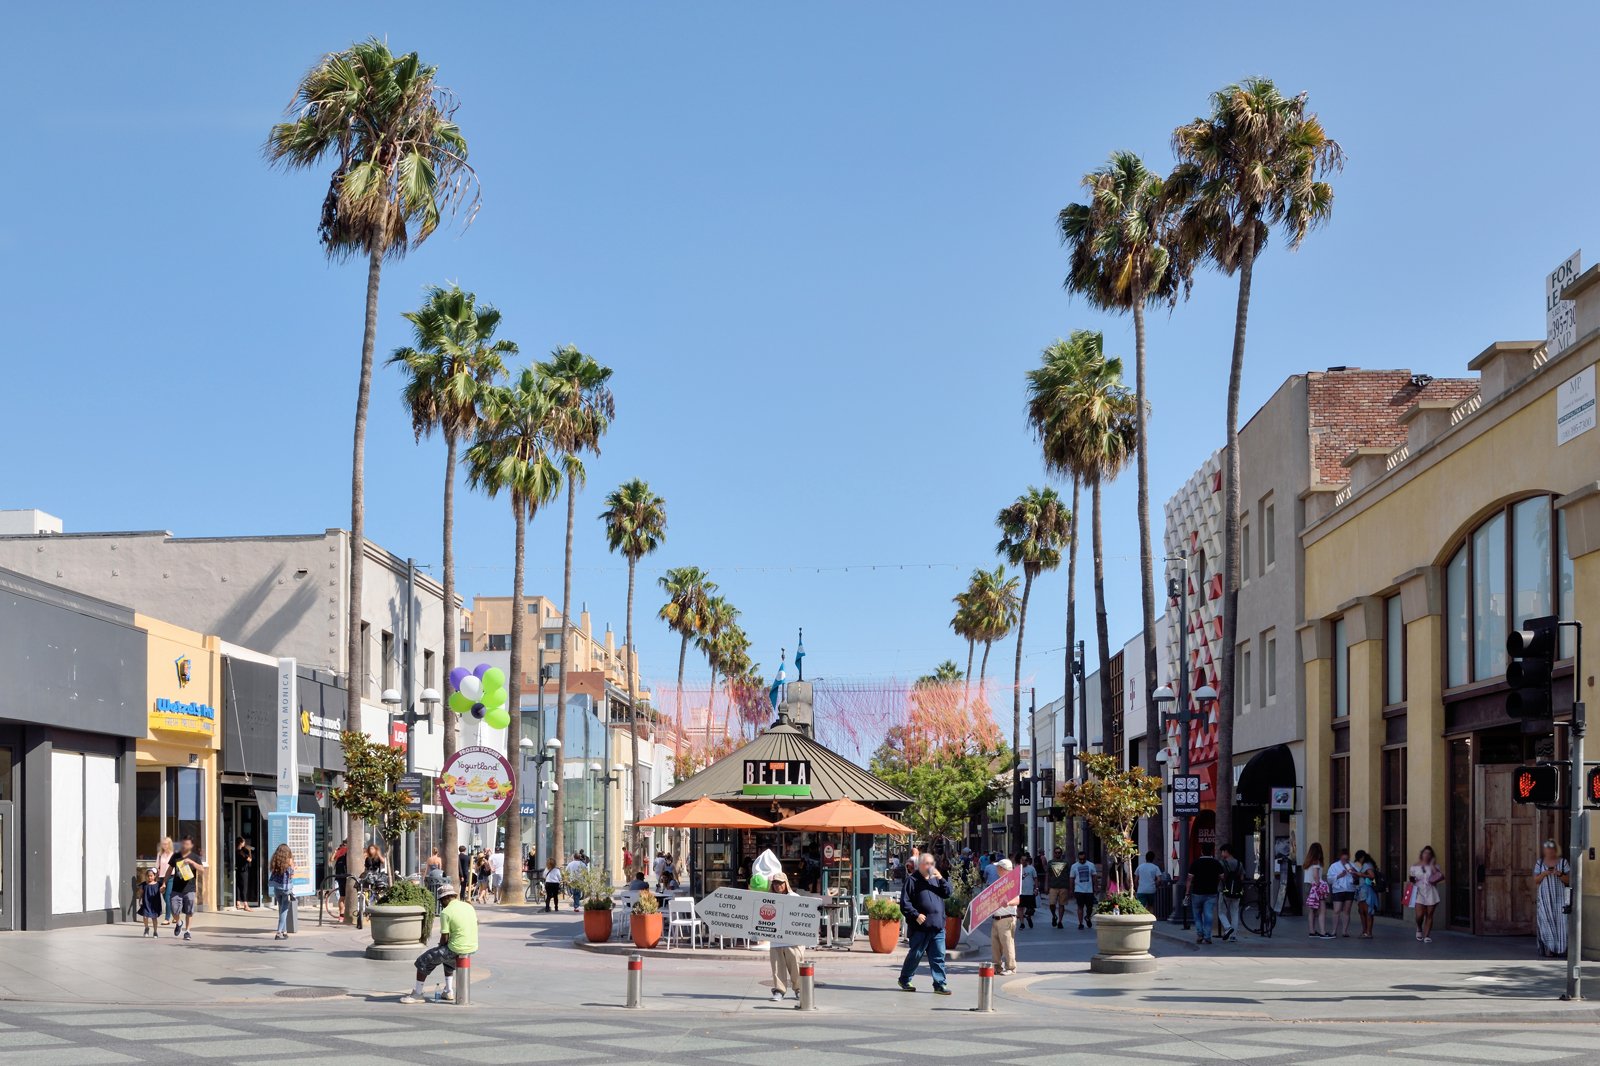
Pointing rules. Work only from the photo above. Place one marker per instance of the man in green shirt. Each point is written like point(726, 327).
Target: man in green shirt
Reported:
point(458, 936)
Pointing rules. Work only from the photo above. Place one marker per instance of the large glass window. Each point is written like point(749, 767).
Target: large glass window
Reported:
point(1341, 672)
point(1456, 628)
point(1394, 653)
point(1269, 681)
point(1269, 537)
point(1339, 803)
point(1244, 674)
point(1568, 605)
point(1489, 599)
point(1531, 547)
point(1393, 861)
point(187, 806)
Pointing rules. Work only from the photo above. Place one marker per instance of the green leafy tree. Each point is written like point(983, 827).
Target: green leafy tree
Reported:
point(370, 791)
point(452, 359)
point(1110, 801)
point(636, 522)
point(1255, 163)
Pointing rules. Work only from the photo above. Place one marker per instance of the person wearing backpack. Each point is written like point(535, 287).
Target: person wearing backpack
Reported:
point(1369, 891)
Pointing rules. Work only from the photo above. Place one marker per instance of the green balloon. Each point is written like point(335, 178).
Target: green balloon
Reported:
point(758, 883)
point(495, 698)
point(498, 718)
point(459, 703)
point(493, 678)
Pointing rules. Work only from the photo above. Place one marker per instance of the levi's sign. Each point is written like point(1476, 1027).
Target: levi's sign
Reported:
point(784, 917)
point(777, 777)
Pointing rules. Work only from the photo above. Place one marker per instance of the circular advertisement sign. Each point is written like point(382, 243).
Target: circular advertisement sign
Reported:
point(476, 785)
point(827, 852)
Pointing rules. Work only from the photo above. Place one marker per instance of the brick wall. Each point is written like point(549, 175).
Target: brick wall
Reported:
point(1352, 409)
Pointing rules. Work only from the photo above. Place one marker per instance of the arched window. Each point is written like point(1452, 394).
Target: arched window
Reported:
point(1507, 570)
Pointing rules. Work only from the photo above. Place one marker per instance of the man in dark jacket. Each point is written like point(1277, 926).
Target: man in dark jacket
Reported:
point(922, 902)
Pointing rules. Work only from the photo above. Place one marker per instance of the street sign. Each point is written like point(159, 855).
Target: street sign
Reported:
point(738, 912)
point(1185, 795)
point(411, 786)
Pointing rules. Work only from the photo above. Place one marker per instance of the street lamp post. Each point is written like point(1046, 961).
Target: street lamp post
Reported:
point(409, 717)
point(531, 753)
point(1183, 716)
point(605, 781)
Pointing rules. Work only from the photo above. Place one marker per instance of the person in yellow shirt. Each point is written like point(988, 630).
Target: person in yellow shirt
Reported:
point(458, 936)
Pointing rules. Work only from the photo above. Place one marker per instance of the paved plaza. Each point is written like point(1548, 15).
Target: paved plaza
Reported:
point(233, 995)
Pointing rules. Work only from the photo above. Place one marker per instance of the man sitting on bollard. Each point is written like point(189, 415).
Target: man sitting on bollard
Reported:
point(922, 902)
point(458, 936)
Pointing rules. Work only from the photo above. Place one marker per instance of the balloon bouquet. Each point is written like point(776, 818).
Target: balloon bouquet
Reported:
point(481, 693)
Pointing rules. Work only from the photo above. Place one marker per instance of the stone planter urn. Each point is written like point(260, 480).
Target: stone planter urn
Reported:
point(396, 931)
point(1124, 943)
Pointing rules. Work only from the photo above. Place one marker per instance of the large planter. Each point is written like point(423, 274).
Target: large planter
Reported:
point(597, 926)
point(883, 934)
point(1124, 943)
point(646, 929)
point(396, 931)
point(952, 932)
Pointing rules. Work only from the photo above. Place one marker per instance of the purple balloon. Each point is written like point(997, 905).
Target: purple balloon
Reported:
point(482, 668)
point(457, 675)
point(477, 710)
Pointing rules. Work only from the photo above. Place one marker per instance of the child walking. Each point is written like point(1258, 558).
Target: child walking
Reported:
point(150, 902)
point(281, 883)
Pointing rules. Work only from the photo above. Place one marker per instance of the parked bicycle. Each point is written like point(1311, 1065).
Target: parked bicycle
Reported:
point(1263, 902)
point(368, 887)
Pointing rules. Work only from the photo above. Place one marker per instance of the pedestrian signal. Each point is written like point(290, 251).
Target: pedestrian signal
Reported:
point(1591, 788)
point(1539, 785)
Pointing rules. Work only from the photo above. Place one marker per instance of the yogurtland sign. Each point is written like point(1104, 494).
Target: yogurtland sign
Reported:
point(476, 785)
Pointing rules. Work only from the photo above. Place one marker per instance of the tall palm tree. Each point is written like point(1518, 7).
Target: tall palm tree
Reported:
point(994, 601)
point(399, 165)
point(1120, 244)
point(1033, 530)
point(719, 618)
point(636, 522)
point(581, 411)
point(1085, 420)
point(732, 654)
point(1256, 162)
point(453, 358)
point(689, 589)
point(513, 453)
point(964, 623)
point(946, 673)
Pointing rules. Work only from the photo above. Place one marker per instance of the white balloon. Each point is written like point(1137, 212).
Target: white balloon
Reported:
point(472, 688)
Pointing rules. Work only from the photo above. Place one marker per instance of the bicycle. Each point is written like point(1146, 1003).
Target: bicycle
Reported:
point(367, 888)
point(330, 899)
point(1262, 903)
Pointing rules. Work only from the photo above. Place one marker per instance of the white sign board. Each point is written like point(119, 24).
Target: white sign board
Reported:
point(739, 912)
point(1575, 405)
point(1560, 316)
point(299, 832)
point(288, 732)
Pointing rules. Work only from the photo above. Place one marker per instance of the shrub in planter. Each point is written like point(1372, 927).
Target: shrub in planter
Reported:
point(1121, 903)
point(645, 922)
point(408, 894)
point(883, 924)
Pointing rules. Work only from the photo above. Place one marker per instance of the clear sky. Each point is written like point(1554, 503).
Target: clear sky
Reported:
point(816, 242)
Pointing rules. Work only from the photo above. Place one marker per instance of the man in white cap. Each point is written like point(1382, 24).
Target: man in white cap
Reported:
point(1003, 929)
point(458, 936)
point(785, 956)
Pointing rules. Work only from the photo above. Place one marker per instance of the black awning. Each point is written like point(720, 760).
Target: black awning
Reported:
point(1267, 769)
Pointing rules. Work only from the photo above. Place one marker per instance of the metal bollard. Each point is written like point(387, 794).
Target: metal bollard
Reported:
point(635, 981)
point(808, 987)
point(985, 989)
point(463, 980)
point(292, 922)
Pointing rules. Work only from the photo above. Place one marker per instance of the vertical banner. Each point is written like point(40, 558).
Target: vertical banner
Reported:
point(288, 734)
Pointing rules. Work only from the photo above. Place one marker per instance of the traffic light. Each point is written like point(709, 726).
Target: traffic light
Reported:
point(1539, 785)
point(1591, 788)
point(1533, 657)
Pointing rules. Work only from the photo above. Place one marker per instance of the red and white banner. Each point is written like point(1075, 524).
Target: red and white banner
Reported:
point(1002, 891)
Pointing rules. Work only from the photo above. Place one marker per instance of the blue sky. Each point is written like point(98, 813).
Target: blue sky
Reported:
point(815, 242)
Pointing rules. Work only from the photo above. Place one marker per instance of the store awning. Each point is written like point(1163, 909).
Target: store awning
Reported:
point(1267, 769)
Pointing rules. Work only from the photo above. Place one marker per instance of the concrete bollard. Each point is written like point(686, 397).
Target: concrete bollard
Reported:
point(985, 989)
point(463, 980)
point(808, 987)
point(635, 981)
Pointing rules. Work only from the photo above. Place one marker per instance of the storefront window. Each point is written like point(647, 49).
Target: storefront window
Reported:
point(1341, 672)
point(147, 813)
point(1339, 807)
point(1394, 653)
point(188, 805)
point(1489, 599)
point(1565, 585)
point(1394, 862)
point(5, 774)
point(1456, 617)
point(1530, 559)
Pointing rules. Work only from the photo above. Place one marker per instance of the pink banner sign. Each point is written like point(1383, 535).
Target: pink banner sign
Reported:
point(1005, 888)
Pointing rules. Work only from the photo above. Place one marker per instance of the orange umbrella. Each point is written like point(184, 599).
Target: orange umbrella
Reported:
point(705, 813)
point(844, 816)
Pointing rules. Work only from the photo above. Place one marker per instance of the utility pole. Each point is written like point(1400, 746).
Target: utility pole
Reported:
point(1080, 672)
point(1577, 831)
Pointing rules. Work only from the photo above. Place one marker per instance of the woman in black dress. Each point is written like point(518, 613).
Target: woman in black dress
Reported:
point(244, 874)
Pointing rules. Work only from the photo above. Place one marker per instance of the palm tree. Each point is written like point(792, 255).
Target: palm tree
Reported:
point(994, 602)
point(581, 411)
point(453, 358)
point(732, 654)
point(1085, 419)
point(399, 164)
point(719, 617)
point(636, 522)
point(689, 589)
point(1033, 530)
point(946, 673)
point(1257, 161)
point(1121, 260)
point(964, 623)
point(513, 453)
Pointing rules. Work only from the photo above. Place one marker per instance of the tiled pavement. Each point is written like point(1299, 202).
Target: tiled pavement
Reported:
point(356, 1032)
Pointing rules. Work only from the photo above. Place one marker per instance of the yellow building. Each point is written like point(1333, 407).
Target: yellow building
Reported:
point(176, 764)
point(1488, 515)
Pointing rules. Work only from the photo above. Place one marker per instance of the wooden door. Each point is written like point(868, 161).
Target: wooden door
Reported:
point(1503, 894)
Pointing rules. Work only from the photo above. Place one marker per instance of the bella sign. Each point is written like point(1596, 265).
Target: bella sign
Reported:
point(777, 777)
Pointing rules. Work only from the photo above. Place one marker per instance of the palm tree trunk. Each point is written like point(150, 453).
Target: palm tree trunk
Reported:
point(1079, 726)
point(1230, 559)
point(1147, 599)
point(683, 655)
point(1016, 720)
point(511, 881)
point(983, 668)
point(558, 807)
point(354, 650)
point(633, 723)
point(447, 843)
point(1102, 636)
point(966, 691)
point(711, 703)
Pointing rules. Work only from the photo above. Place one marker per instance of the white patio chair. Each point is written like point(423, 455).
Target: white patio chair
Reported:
point(623, 901)
point(682, 920)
